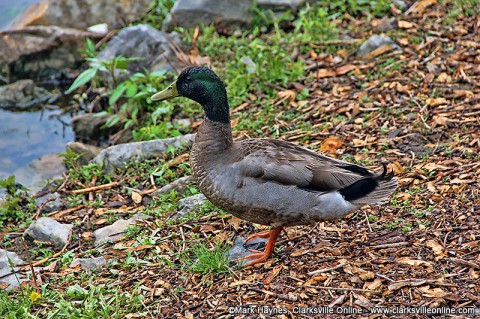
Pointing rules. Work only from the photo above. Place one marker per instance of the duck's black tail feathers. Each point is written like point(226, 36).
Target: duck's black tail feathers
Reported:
point(370, 190)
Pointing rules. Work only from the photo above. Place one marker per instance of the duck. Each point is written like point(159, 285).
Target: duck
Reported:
point(267, 181)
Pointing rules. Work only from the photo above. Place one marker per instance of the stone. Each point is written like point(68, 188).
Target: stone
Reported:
point(24, 94)
point(53, 202)
point(400, 4)
point(374, 42)
point(116, 230)
point(88, 264)
point(226, 14)
point(49, 230)
point(86, 152)
point(90, 127)
point(189, 203)
point(9, 275)
point(118, 155)
point(82, 14)
point(153, 47)
point(240, 249)
point(41, 51)
point(179, 186)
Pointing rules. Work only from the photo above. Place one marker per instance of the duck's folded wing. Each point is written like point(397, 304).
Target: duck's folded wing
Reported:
point(291, 165)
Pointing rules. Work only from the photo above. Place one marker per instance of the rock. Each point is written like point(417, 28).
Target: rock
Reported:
point(40, 51)
point(118, 155)
point(189, 203)
point(86, 152)
point(153, 47)
point(53, 202)
point(226, 14)
point(116, 230)
point(281, 5)
point(400, 4)
point(24, 94)
point(8, 275)
point(49, 166)
point(179, 185)
point(240, 249)
point(49, 230)
point(82, 14)
point(374, 42)
point(89, 263)
point(183, 124)
point(89, 127)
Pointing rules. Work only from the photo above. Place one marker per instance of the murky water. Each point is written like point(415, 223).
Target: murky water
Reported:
point(10, 9)
point(25, 136)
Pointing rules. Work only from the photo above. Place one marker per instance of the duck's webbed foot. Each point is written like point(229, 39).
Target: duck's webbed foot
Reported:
point(261, 256)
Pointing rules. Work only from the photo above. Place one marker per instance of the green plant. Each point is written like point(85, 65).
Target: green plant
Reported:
point(205, 260)
point(17, 205)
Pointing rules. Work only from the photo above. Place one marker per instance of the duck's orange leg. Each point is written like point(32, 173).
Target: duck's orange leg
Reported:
point(261, 256)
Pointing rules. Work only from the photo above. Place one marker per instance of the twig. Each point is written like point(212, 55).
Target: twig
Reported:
point(319, 271)
point(273, 294)
point(39, 210)
point(344, 289)
point(464, 262)
point(94, 188)
point(58, 214)
point(402, 243)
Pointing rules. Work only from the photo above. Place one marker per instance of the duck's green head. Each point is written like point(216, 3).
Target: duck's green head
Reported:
point(202, 85)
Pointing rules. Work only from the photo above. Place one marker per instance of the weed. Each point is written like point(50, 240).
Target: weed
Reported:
point(205, 260)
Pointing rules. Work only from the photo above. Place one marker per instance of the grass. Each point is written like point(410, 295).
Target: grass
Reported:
point(206, 260)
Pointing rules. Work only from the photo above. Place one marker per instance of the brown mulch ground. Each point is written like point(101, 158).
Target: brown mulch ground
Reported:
point(417, 109)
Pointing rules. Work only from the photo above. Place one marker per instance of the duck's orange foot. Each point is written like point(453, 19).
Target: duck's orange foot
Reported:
point(261, 256)
point(257, 256)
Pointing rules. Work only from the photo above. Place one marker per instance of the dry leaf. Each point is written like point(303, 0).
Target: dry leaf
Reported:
point(274, 273)
point(331, 144)
point(373, 285)
point(436, 101)
point(136, 197)
point(405, 24)
point(345, 69)
point(324, 73)
point(432, 293)
point(420, 6)
point(414, 262)
point(288, 95)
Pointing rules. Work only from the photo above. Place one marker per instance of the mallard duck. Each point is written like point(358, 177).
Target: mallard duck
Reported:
point(268, 181)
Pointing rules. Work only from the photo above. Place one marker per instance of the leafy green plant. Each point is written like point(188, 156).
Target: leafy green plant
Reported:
point(17, 205)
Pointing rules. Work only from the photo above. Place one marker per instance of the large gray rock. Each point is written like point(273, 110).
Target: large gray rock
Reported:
point(116, 230)
point(8, 274)
point(49, 230)
point(24, 94)
point(40, 51)
point(118, 155)
point(225, 14)
point(82, 14)
point(374, 42)
point(153, 47)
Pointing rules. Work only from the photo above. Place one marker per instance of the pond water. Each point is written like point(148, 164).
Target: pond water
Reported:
point(25, 136)
point(10, 9)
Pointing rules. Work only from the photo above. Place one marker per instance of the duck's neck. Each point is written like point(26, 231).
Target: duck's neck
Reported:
point(214, 137)
point(216, 107)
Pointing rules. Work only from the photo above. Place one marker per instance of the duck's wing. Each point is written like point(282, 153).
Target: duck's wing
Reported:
point(289, 164)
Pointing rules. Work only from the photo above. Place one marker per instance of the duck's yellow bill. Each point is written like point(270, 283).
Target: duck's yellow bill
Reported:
point(168, 93)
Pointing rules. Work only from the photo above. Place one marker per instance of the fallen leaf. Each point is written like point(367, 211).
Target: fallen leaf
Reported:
point(345, 69)
point(325, 73)
point(436, 101)
point(136, 197)
point(414, 262)
point(373, 285)
point(288, 95)
point(405, 24)
point(331, 144)
point(432, 293)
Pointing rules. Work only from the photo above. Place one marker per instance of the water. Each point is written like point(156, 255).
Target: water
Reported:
point(10, 9)
point(25, 136)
